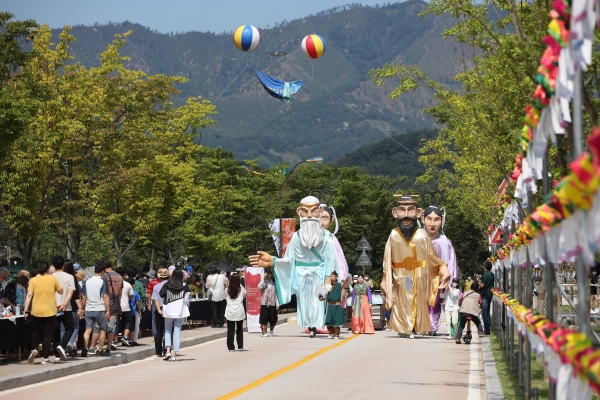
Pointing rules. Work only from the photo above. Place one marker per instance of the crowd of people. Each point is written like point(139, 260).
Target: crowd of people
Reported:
point(110, 302)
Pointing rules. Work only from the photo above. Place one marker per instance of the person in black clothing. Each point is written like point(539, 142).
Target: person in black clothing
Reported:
point(486, 283)
point(79, 314)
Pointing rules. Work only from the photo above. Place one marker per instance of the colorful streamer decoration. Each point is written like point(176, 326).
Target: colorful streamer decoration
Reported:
point(563, 346)
point(313, 46)
point(574, 192)
point(246, 38)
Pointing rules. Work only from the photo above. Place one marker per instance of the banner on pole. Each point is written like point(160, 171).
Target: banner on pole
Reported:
point(253, 276)
point(288, 226)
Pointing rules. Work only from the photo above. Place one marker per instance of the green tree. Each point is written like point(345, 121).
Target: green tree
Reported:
point(28, 180)
point(481, 124)
point(18, 98)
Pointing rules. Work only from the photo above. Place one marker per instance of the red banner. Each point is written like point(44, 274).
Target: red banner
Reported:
point(253, 276)
point(288, 227)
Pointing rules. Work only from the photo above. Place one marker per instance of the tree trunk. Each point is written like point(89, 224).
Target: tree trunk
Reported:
point(25, 248)
point(152, 258)
point(119, 252)
point(117, 247)
point(76, 244)
point(170, 253)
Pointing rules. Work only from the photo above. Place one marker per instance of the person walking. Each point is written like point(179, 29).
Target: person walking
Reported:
point(97, 311)
point(215, 284)
point(114, 286)
point(362, 321)
point(41, 298)
point(136, 307)
point(159, 321)
point(127, 319)
point(64, 322)
point(486, 283)
point(175, 295)
point(334, 316)
point(234, 312)
point(269, 303)
point(451, 295)
point(77, 307)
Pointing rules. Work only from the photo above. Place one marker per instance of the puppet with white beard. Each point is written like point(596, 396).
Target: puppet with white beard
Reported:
point(309, 260)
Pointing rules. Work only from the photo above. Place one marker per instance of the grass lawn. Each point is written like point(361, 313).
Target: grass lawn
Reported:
point(510, 382)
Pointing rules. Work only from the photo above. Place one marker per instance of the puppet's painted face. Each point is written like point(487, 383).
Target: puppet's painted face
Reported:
point(309, 212)
point(407, 214)
point(325, 219)
point(433, 224)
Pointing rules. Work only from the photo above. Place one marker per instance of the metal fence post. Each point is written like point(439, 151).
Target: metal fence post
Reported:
point(549, 269)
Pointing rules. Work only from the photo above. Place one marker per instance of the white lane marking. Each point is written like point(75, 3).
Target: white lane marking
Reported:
point(474, 371)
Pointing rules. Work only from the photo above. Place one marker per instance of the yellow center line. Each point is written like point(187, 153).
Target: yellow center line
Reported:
point(283, 370)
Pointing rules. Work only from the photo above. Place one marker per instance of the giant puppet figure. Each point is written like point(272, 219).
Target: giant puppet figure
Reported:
point(310, 258)
point(412, 272)
point(327, 216)
point(434, 220)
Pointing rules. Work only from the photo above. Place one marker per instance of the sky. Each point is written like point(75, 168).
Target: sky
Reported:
point(172, 15)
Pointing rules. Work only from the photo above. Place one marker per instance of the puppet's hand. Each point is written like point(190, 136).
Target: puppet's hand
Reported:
point(444, 277)
point(261, 259)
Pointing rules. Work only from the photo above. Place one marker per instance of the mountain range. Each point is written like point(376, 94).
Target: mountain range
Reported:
point(337, 110)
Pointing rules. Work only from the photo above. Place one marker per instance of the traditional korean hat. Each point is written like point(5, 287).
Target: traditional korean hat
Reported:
point(406, 200)
point(309, 201)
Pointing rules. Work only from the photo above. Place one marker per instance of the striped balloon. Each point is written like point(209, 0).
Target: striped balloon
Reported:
point(246, 38)
point(313, 46)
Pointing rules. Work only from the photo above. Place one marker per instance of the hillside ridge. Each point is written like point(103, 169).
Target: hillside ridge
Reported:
point(337, 110)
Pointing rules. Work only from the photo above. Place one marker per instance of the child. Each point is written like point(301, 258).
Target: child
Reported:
point(451, 294)
point(234, 312)
point(269, 303)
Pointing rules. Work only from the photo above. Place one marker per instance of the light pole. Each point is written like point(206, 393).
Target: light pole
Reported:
point(286, 173)
point(247, 168)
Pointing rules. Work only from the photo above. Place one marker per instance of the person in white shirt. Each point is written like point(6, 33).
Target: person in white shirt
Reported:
point(63, 304)
point(451, 295)
point(175, 295)
point(216, 283)
point(235, 312)
point(126, 317)
point(97, 310)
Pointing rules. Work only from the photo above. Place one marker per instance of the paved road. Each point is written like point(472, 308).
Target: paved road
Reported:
point(289, 365)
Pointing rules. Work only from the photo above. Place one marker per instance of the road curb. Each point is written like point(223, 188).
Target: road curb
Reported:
point(493, 388)
point(76, 366)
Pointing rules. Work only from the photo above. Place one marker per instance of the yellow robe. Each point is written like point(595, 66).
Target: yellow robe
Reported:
point(410, 263)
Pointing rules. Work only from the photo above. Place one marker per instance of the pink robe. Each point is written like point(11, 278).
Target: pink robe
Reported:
point(443, 247)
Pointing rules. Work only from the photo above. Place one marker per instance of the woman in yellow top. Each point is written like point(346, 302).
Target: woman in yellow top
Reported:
point(40, 296)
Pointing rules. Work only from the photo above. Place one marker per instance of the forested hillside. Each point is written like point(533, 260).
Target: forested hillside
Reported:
point(394, 157)
point(327, 117)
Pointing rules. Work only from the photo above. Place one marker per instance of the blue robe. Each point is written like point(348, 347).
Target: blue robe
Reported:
point(303, 272)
